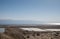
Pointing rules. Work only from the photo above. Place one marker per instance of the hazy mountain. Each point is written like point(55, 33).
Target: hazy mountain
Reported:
point(19, 22)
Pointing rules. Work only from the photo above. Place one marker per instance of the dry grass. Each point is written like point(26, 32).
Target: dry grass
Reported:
point(15, 33)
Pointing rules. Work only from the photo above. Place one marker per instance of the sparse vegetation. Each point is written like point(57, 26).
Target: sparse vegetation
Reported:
point(16, 33)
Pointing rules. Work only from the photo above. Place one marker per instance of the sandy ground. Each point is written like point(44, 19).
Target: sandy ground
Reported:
point(16, 33)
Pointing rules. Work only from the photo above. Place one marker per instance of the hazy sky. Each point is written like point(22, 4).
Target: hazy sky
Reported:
point(36, 10)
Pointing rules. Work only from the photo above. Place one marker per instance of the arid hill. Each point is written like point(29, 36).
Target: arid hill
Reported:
point(16, 33)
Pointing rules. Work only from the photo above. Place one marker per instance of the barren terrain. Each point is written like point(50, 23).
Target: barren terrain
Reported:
point(16, 33)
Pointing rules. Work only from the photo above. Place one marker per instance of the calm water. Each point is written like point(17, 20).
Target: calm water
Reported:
point(2, 29)
point(38, 29)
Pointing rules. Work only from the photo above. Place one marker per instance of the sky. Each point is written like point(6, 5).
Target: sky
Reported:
point(35, 10)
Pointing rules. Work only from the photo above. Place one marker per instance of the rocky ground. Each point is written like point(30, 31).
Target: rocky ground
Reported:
point(15, 33)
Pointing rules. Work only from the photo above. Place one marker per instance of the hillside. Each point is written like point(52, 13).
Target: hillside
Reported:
point(15, 33)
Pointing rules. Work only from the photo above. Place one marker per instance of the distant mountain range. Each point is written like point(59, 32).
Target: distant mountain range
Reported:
point(19, 22)
point(25, 22)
